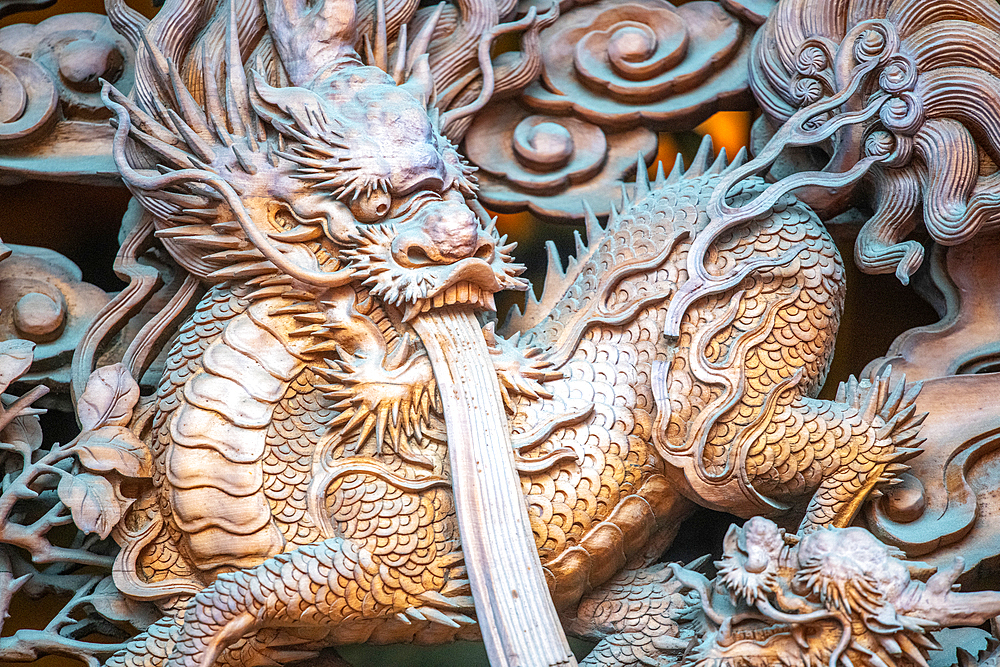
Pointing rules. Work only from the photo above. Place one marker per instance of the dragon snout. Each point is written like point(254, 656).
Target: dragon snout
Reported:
point(443, 233)
point(757, 560)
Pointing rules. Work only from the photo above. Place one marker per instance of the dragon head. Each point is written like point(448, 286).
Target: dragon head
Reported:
point(310, 163)
point(750, 559)
point(370, 168)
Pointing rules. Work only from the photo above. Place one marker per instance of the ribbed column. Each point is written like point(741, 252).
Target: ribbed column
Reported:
point(515, 612)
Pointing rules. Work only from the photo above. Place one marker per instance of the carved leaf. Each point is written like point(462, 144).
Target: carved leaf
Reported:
point(114, 448)
point(15, 360)
point(26, 429)
point(91, 500)
point(112, 605)
point(108, 398)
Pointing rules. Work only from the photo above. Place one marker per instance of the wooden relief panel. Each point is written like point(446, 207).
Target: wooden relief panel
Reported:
point(298, 412)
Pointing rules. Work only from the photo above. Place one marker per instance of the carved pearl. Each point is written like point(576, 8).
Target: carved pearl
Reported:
point(84, 62)
point(36, 315)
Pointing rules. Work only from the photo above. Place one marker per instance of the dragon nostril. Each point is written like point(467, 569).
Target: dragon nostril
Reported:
point(484, 252)
point(417, 256)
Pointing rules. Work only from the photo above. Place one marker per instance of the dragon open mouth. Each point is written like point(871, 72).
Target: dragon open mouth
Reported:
point(463, 293)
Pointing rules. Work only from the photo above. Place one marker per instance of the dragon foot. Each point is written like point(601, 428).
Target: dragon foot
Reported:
point(321, 594)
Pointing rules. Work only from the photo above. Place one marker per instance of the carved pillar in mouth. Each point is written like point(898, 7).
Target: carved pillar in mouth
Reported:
point(519, 623)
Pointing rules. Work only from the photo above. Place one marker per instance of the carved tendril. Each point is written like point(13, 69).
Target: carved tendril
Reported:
point(807, 127)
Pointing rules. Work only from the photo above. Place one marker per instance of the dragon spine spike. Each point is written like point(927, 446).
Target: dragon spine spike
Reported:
point(592, 225)
point(677, 171)
point(740, 158)
point(422, 40)
point(719, 165)
point(581, 248)
point(399, 68)
point(661, 179)
point(555, 271)
point(380, 46)
point(641, 177)
point(191, 112)
point(700, 163)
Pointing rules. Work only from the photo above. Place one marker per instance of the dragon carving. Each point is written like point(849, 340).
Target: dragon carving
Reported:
point(835, 596)
point(327, 371)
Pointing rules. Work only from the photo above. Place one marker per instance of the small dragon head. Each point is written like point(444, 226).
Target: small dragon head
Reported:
point(750, 559)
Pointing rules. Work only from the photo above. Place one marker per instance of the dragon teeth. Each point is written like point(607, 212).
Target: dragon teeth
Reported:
point(414, 309)
point(461, 293)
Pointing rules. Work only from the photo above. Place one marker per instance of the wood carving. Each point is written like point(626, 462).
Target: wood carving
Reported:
point(833, 596)
point(53, 123)
point(43, 299)
point(302, 425)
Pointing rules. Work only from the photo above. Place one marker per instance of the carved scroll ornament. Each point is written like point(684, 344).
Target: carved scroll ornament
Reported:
point(53, 123)
point(610, 73)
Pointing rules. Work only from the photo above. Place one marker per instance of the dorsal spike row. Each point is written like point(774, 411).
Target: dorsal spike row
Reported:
point(739, 159)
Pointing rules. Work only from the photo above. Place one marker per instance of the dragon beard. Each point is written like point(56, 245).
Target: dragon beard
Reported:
point(742, 583)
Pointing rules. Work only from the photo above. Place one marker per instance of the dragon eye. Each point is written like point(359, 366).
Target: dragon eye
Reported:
point(371, 206)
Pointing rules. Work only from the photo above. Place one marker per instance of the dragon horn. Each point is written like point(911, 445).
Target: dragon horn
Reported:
point(312, 40)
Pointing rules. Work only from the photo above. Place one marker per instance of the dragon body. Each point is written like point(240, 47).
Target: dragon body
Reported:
point(604, 464)
point(303, 492)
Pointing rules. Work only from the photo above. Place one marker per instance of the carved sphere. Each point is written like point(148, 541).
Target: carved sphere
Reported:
point(83, 63)
point(12, 96)
point(37, 315)
point(371, 206)
point(905, 502)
